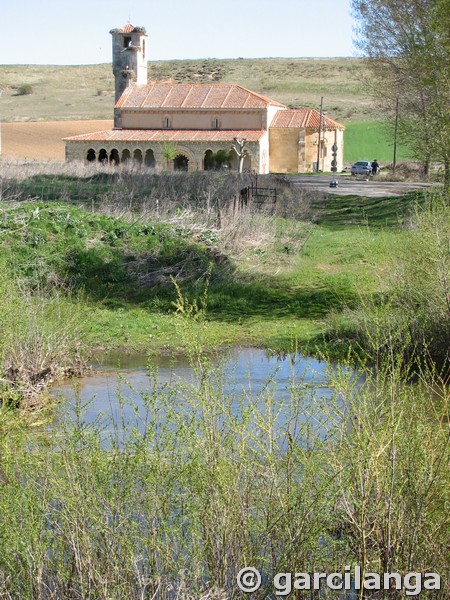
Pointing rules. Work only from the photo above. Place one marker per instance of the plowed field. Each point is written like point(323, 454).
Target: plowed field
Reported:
point(42, 140)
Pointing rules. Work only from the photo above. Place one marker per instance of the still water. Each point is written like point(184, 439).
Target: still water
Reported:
point(117, 390)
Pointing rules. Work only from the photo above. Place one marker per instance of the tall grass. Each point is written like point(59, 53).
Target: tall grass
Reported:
point(411, 311)
point(39, 340)
point(205, 481)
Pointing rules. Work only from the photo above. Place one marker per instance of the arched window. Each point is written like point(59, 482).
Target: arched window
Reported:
point(90, 157)
point(167, 122)
point(137, 156)
point(126, 156)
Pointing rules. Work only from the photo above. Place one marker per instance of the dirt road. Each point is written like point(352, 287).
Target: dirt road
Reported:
point(352, 186)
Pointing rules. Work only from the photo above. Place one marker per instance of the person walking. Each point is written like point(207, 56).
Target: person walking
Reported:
point(375, 167)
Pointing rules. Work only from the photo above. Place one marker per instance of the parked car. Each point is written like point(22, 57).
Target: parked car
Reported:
point(362, 167)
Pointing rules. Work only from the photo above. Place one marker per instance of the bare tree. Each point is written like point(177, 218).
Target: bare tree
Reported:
point(239, 148)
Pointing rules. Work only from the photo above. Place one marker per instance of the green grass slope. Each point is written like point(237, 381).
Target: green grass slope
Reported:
point(278, 286)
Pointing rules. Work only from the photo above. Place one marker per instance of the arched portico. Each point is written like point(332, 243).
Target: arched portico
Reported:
point(187, 158)
point(197, 155)
point(208, 160)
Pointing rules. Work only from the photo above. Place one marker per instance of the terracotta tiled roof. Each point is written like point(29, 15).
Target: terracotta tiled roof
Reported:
point(303, 117)
point(195, 95)
point(163, 135)
point(128, 28)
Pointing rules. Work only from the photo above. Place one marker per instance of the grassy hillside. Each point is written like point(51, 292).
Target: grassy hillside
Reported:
point(87, 92)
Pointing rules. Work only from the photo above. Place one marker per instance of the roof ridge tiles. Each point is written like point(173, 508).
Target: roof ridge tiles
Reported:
point(228, 92)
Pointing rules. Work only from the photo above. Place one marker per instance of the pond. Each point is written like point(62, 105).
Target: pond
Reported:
point(268, 400)
point(121, 390)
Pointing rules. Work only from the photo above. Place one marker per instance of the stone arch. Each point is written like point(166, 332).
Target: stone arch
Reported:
point(207, 160)
point(149, 160)
point(103, 156)
point(181, 162)
point(114, 158)
point(137, 156)
point(91, 156)
point(126, 155)
point(192, 160)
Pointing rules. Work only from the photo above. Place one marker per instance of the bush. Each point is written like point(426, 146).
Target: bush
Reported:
point(25, 89)
point(38, 341)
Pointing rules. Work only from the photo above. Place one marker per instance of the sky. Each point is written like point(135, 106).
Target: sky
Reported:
point(76, 32)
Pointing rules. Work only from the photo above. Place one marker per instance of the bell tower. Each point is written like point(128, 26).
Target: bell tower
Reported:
point(129, 59)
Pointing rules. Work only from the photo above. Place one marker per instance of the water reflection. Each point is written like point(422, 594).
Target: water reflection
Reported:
point(120, 391)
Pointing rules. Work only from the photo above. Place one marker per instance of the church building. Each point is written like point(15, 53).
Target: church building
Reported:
point(185, 126)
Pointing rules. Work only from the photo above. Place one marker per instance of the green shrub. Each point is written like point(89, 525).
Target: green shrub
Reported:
point(25, 89)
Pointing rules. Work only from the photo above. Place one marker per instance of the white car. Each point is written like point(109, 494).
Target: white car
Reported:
point(362, 167)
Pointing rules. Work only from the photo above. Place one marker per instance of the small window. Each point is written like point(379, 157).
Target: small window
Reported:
point(167, 123)
point(126, 41)
point(216, 123)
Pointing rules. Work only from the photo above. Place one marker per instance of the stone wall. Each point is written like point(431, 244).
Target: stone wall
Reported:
point(294, 150)
point(329, 138)
point(283, 144)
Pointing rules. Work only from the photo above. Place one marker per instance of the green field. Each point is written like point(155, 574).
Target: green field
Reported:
point(366, 140)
